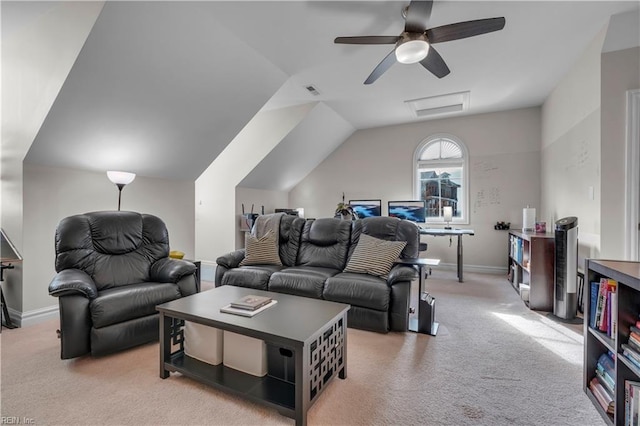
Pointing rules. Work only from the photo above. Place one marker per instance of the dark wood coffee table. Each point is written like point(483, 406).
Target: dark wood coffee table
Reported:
point(314, 331)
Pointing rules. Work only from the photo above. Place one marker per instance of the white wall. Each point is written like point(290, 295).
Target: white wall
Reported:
point(571, 150)
point(38, 50)
point(504, 151)
point(50, 194)
point(216, 221)
point(620, 72)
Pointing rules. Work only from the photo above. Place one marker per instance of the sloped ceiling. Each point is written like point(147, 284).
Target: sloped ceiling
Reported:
point(160, 88)
point(317, 136)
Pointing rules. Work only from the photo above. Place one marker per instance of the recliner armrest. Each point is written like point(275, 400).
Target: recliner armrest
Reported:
point(401, 273)
point(73, 281)
point(168, 270)
point(231, 260)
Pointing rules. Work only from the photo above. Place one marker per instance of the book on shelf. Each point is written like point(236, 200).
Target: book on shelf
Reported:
point(603, 398)
point(228, 309)
point(603, 306)
point(614, 313)
point(632, 360)
point(631, 352)
point(631, 402)
point(606, 367)
point(593, 303)
point(634, 338)
point(251, 302)
point(605, 384)
point(634, 345)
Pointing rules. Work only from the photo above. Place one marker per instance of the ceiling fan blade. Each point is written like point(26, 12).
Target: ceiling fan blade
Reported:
point(464, 29)
point(418, 14)
point(367, 40)
point(435, 64)
point(386, 63)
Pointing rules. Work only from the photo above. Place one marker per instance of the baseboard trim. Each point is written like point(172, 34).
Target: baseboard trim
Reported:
point(36, 316)
point(496, 270)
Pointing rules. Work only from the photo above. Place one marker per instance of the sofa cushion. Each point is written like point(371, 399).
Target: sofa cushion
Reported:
point(305, 281)
point(261, 251)
point(120, 304)
point(252, 276)
point(325, 243)
point(374, 256)
point(361, 290)
point(290, 236)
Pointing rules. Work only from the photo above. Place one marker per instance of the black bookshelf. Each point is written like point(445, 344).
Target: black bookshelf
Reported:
point(627, 276)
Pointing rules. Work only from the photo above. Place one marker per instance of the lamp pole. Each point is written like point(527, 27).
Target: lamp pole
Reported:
point(120, 186)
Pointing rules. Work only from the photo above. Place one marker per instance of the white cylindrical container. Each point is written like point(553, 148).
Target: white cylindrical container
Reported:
point(528, 219)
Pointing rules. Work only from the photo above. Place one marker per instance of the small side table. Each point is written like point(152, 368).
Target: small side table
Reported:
point(198, 271)
point(426, 303)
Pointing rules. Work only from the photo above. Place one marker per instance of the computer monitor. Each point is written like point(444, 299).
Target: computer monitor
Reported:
point(413, 210)
point(366, 208)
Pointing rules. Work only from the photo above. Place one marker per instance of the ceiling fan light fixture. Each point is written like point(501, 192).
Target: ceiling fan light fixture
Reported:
point(411, 48)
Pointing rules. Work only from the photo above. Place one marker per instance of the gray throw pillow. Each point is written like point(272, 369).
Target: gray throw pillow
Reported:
point(374, 256)
point(261, 251)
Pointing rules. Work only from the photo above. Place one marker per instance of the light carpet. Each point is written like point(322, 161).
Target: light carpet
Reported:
point(493, 362)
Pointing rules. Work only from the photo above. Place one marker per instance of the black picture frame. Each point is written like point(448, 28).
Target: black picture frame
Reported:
point(413, 210)
point(366, 208)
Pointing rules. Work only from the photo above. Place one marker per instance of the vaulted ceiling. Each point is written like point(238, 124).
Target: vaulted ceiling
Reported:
point(161, 88)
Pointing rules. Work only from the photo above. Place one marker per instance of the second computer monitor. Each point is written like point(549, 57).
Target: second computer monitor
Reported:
point(413, 210)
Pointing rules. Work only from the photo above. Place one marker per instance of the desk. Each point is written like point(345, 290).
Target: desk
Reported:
point(425, 322)
point(444, 232)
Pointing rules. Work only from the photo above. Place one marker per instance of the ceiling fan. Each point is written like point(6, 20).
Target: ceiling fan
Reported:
point(415, 42)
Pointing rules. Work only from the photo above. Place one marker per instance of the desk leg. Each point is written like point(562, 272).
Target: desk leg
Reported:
point(5, 312)
point(460, 258)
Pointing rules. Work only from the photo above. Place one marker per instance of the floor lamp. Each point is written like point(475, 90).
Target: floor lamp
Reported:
point(120, 179)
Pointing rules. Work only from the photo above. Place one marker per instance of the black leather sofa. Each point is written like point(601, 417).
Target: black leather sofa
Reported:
point(314, 254)
point(113, 268)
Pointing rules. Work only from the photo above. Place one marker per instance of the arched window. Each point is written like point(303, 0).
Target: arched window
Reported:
point(442, 177)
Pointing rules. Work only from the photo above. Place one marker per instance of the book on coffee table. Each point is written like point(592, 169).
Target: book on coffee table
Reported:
point(251, 302)
point(228, 309)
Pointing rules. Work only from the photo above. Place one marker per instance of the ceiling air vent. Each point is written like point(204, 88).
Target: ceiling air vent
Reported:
point(437, 105)
point(311, 89)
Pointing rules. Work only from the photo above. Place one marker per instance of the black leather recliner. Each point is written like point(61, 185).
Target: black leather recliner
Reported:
point(113, 268)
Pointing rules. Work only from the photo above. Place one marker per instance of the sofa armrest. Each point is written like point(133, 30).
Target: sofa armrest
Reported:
point(73, 281)
point(401, 273)
point(168, 270)
point(231, 260)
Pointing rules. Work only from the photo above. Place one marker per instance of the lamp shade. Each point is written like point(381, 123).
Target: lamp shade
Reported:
point(121, 178)
point(447, 212)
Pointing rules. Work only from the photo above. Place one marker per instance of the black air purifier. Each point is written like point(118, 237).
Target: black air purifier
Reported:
point(565, 302)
